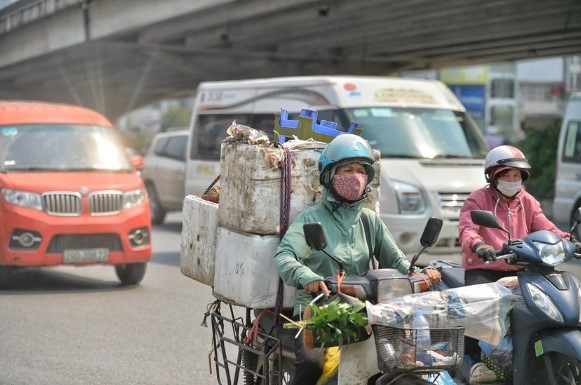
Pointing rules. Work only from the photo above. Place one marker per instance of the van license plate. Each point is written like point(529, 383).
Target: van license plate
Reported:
point(85, 255)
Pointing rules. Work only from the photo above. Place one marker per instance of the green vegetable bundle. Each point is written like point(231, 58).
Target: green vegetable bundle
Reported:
point(335, 323)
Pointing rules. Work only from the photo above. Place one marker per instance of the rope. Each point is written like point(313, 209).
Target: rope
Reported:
point(340, 275)
point(253, 333)
point(285, 197)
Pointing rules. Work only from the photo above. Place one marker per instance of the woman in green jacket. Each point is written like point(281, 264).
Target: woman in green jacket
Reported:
point(346, 169)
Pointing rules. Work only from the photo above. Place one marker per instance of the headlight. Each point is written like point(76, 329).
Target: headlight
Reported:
point(544, 303)
point(409, 198)
point(551, 255)
point(133, 198)
point(23, 198)
point(389, 289)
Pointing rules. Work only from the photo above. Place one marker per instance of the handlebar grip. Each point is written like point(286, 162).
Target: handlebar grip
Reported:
point(500, 256)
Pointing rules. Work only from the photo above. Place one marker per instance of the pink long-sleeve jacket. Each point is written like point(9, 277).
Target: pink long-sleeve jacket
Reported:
point(520, 216)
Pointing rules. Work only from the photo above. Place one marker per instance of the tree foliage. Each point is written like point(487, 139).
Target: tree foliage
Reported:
point(540, 148)
point(175, 117)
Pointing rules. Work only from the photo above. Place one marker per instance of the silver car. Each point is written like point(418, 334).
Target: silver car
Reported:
point(164, 172)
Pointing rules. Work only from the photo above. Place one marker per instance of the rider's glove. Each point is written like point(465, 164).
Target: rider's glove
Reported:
point(484, 251)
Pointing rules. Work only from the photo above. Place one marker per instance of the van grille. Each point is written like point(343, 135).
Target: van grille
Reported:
point(71, 203)
point(451, 203)
point(60, 243)
point(62, 203)
point(105, 202)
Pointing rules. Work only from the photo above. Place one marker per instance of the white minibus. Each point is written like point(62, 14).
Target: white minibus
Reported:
point(432, 152)
point(568, 176)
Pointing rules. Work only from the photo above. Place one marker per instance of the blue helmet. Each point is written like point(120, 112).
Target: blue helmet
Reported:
point(343, 149)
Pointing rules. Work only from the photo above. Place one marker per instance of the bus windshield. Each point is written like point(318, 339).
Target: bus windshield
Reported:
point(419, 133)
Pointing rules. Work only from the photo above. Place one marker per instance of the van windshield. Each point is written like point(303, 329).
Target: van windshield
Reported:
point(61, 148)
point(419, 132)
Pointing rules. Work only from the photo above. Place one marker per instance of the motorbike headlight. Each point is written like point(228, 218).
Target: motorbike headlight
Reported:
point(551, 255)
point(134, 198)
point(544, 303)
point(409, 198)
point(23, 198)
point(392, 288)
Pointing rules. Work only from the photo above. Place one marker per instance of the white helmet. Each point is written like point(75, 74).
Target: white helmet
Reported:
point(505, 157)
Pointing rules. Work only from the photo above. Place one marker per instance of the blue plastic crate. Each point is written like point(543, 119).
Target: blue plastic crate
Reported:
point(306, 127)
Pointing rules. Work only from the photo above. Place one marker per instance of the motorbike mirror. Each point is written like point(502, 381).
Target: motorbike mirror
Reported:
point(577, 216)
point(576, 220)
point(428, 238)
point(431, 232)
point(487, 219)
point(315, 236)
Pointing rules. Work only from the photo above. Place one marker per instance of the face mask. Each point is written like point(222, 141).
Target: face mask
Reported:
point(509, 188)
point(350, 187)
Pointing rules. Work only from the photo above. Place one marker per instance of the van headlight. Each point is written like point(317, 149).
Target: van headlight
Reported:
point(409, 198)
point(134, 198)
point(544, 303)
point(22, 198)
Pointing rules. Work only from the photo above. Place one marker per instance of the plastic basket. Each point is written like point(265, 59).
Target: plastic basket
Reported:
point(397, 350)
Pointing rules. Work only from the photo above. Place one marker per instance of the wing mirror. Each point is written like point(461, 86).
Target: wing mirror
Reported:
point(576, 220)
point(431, 232)
point(487, 219)
point(429, 238)
point(315, 236)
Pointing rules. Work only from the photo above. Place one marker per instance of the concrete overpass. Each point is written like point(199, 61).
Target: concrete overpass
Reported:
point(117, 55)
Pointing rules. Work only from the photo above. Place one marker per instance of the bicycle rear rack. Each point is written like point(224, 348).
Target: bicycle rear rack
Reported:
point(242, 352)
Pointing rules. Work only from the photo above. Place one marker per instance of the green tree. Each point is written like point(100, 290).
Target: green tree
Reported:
point(540, 148)
point(175, 117)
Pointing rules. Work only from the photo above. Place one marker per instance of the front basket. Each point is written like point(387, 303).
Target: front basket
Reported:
point(397, 350)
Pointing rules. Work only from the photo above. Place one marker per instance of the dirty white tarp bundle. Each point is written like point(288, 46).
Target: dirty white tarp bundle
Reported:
point(235, 256)
point(482, 309)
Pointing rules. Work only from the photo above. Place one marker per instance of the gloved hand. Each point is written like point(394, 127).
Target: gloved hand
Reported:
point(484, 251)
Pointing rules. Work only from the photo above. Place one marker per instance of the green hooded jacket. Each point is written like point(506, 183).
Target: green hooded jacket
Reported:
point(297, 263)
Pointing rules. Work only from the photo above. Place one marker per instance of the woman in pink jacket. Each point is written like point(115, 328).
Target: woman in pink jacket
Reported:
point(505, 169)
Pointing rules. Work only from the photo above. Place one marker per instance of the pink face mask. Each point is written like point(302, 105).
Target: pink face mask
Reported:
point(351, 186)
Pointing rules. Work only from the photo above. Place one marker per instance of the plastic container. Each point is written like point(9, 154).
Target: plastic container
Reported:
point(307, 127)
point(423, 340)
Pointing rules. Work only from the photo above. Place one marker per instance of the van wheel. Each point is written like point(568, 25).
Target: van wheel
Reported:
point(156, 210)
point(130, 273)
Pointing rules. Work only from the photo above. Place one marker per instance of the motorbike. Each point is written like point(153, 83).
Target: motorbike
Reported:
point(254, 349)
point(545, 328)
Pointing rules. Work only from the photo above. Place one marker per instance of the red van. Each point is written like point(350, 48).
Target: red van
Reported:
point(69, 194)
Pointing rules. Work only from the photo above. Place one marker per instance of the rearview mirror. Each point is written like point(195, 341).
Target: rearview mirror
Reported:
point(485, 218)
point(577, 216)
point(576, 222)
point(431, 232)
point(315, 236)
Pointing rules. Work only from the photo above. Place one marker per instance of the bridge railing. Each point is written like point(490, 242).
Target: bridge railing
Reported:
point(24, 12)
